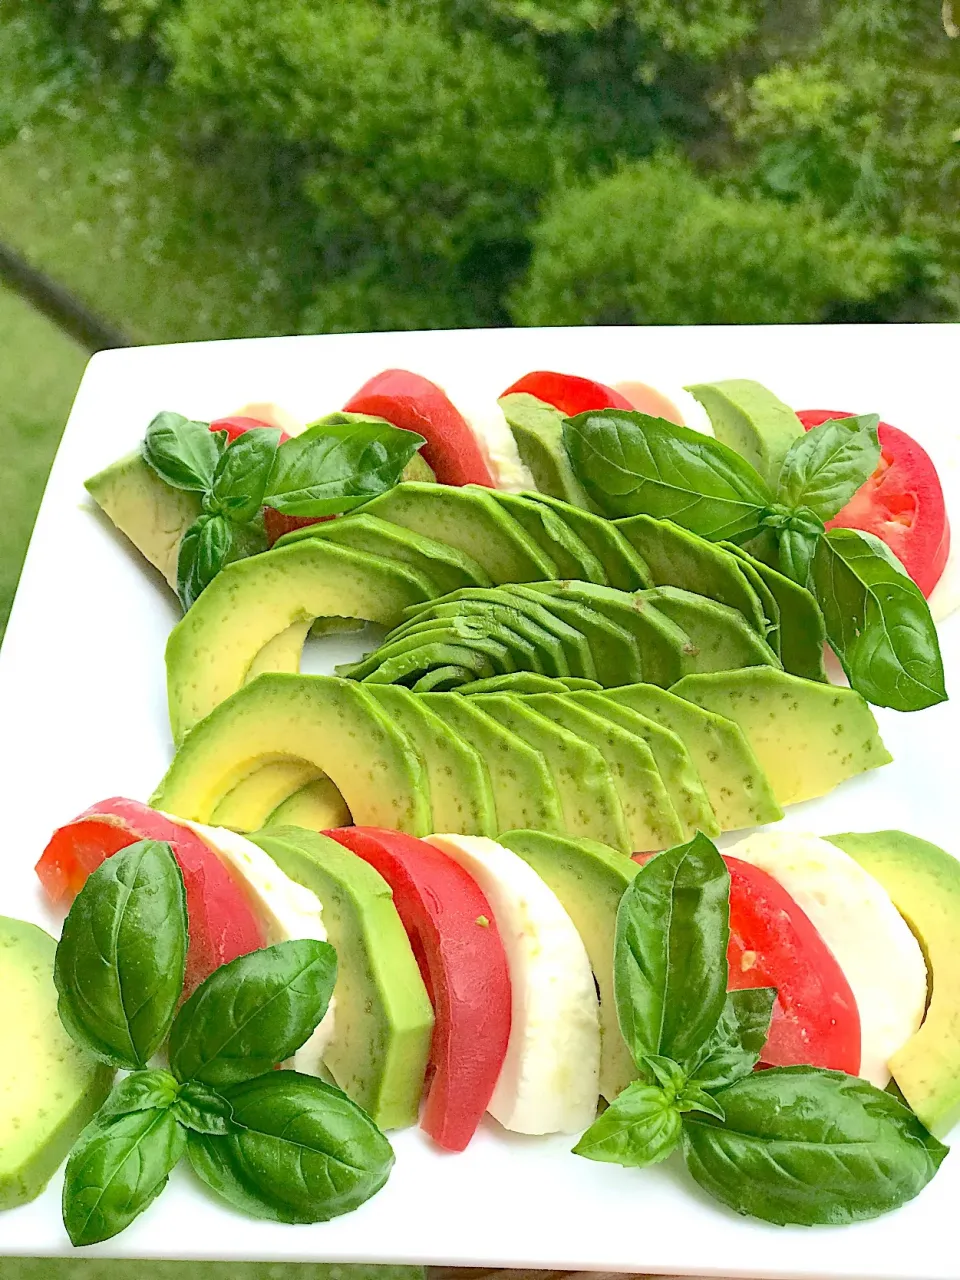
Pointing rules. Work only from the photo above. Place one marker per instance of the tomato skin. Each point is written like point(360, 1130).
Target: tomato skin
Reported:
point(222, 925)
point(568, 393)
point(464, 969)
point(414, 403)
point(236, 426)
point(276, 524)
point(902, 502)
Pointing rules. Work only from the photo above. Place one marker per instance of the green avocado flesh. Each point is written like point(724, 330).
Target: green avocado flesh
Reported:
point(802, 632)
point(589, 880)
point(251, 802)
point(624, 566)
point(570, 553)
point(752, 421)
point(51, 1087)
point(548, 649)
point(721, 637)
point(923, 882)
point(538, 431)
point(318, 806)
point(383, 1019)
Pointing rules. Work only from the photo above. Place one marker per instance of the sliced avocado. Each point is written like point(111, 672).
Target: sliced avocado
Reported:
point(613, 649)
point(648, 811)
point(589, 879)
point(383, 1022)
point(808, 737)
point(802, 631)
point(768, 601)
point(151, 513)
point(528, 620)
point(409, 667)
point(750, 419)
point(513, 682)
point(573, 684)
point(924, 884)
point(212, 648)
point(318, 806)
point(283, 653)
point(572, 556)
point(485, 655)
point(678, 558)
point(520, 779)
point(524, 655)
point(251, 802)
point(443, 678)
point(538, 431)
point(588, 794)
point(448, 567)
point(721, 636)
point(461, 797)
point(51, 1087)
point(472, 522)
point(624, 566)
point(331, 723)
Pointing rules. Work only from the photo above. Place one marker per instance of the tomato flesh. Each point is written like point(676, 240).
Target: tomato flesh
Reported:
point(236, 426)
point(568, 393)
point(902, 502)
point(276, 524)
point(464, 968)
point(222, 925)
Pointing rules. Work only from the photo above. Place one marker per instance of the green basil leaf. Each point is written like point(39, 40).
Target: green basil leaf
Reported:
point(333, 467)
point(734, 1048)
point(120, 960)
point(826, 466)
point(802, 1145)
point(640, 1127)
point(202, 1109)
point(116, 1170)
point(252, 1013)
point(182, 452)
point(141, 1091)
point(301, 1151)
point(669, 1075)
point(878, 623)
point(796, 549)
point(670, 966)
point(692, 1098)
point(240, 479)
point(204, 549)
point(632, 464)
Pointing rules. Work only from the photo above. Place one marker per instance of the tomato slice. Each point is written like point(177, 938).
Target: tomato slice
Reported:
point(647, 399)
point(416, 404)
point(222, 925)
point(902, 502)
point(276, 524)
point(236, 426)
point(458, 948)
point(568, 393)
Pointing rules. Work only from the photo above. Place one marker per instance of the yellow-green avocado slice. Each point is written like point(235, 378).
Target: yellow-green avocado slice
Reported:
point(51, 1087)
point(923, 882)
point(383, 1021)
point(318, 806)
point(751, 420)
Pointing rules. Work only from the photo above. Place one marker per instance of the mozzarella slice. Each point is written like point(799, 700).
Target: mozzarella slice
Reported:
point(274, 415)
point(486, 420)
point(285, 910)
point(870, 941)
point(550, 1079)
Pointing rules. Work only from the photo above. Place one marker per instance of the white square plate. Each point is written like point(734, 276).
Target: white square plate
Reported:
point(83, 717)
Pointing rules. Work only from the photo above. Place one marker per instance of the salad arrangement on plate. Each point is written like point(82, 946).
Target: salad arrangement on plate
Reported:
point(474, 872)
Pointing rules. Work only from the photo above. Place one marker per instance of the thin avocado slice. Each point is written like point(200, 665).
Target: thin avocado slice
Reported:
point(443, 678)
point(383, 1024)
point(768, 602)
point(752, 420)
point(674, 761)
point(614, 650)
point(589, 879)
point(520, 778)
point(528, 620)
point(808, 737)
point(573, 557)
point(721, 636)
point(318, 806)
point(802, 632)
point(651, 819)
point(331, 723)
point(526, 655)
point(251, 802)
point(448, 566)
point(538, 431)
point(573, 684)
point(588, 794)
point(461, 797)
point(408, 667)
point(443, 634)
point(512, 682)
point(625, 567)
point(469, 520)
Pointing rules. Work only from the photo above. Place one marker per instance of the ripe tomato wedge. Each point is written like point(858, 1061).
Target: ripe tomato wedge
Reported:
point(236, 426)
point(222, 925)
point(458, 948)
point(902, 502)
point(416, 404)
point(568, 393)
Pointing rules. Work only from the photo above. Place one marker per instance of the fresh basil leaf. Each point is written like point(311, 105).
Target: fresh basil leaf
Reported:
point(202, 1109)
point(252, 1013)
point(120, 960)
point(116, 1170)
point(734, 1048)
point(204, 549)
point(301, 1151)
point(878, 623)
point(242, 473)
point(802, 1145)
point(670, 966)
point(641, 1126)
point(333, 467)
point(692, 1098)
point(632, 464)
point(669, 1075)
point(797, 548)
point(182, 452)
point(141, 1091)
point(826, 466)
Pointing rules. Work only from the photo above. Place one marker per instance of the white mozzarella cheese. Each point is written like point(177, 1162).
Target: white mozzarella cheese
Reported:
point(550, 1080)
point(485, 419)
point(870, 941)
point(274, 415)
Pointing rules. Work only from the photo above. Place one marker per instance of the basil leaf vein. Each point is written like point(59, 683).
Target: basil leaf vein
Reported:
point(141, 1091)
point(182, 452)
point(826, 466)
point(202, 1109)
point(640, 1127)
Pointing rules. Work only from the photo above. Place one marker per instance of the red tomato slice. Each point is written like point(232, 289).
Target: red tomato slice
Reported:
point(222, 925)
point(902, 502)
point(569, 394)
point(276, 524)
point(464, 969)
point(416, 404)
point(236, 426)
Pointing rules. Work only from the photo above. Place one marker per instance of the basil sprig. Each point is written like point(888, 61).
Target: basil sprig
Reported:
point(788, 1145)
point(277, 1144)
